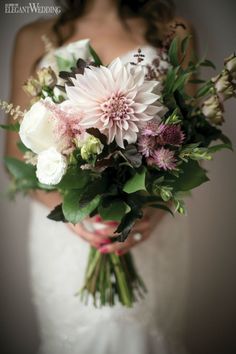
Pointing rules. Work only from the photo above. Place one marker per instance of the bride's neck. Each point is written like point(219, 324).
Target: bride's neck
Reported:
point(101, 9)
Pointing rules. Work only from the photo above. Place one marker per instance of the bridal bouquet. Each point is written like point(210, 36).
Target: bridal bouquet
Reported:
point(114, 140)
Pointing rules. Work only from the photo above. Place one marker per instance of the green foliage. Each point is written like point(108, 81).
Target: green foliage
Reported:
point(11, 127)
point(22, 147)
point(136, 183)
point(64, 64)
point(75, 178)
point(115, 211)
point(185, 44)
point(174, 51)
point(218, 147)
point(127, 223)
point(205, 89)
point(72, 209)
point(96, 187)
point(57, 214)
point(95, 56)
point(192, 176)
point(162, 207)
point(24, 174)
point(207, 63)
point(194, 152)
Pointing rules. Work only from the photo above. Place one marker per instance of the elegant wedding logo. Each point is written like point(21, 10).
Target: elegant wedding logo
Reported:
point(32, 7)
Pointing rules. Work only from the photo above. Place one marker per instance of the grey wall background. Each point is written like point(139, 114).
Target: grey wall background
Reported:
point(210, 319)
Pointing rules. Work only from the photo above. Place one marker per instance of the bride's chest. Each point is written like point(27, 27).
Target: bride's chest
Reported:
point(111, 41)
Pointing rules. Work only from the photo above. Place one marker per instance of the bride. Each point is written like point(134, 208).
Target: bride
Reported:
point(58, 254)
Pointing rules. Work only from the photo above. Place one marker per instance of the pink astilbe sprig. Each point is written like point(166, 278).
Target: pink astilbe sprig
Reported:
point(163, 158)
point(67, 127)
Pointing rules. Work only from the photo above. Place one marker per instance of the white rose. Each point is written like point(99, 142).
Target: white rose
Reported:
point(37, 128)
point(78, 49)
point(51, 166)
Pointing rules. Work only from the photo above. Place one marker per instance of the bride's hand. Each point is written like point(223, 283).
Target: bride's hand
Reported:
point(102, 238)
point(141, 232)
point(95, 238)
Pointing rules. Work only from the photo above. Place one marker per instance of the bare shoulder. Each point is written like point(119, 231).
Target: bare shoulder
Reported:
point(29, 38)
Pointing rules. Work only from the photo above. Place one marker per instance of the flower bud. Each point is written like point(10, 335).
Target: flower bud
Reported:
point(223, 85)
point(92, 146)
point(32, 87)
point(230, 65)
point(47, 77)
point(213, 110)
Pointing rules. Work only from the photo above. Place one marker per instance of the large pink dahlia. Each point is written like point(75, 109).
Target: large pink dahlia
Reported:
point(115, 99)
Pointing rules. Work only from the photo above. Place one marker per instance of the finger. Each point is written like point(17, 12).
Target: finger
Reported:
point(142, 226)
point(123, 246)
point(98, 219)
point(107, 231)
point(94, 239)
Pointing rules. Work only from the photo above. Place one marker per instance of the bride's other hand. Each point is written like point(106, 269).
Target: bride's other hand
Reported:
point(93, 238)
point(102, 238)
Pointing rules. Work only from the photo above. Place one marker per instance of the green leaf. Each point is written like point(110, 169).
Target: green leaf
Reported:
point(197, 81)
point(173, 52)
point(132, 155)
point(57, 214)
point(22, 147)
point(136, 183)
point(24, 174)
point(215, 148)
point(180, 82)
point(11, 127)
point(98, 186)
point(162, 207)
point(185, 44)
point(95, 56)
point(170, 80)
point(208, 63)
point(193, 175)
point(64, 64)
point(127, 224)
point(20, 170)
point(226, 141)
point(75, 178)
point(115, 211)
point(72, 209)
point(204, 90)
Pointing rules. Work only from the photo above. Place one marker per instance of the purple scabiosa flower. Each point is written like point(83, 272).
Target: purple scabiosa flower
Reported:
point(146, 145)
point(171, 134)
point(163, 158)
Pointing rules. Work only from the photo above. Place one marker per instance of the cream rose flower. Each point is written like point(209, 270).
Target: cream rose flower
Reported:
point(223, 85)
point(51, 166)
point(212, 109)
point(230, 65)
point(37, 128)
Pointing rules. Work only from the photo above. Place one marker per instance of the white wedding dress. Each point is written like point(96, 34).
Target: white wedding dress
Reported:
point(58, 259)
